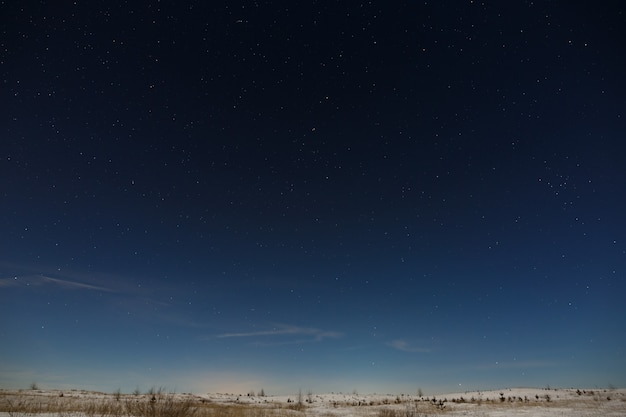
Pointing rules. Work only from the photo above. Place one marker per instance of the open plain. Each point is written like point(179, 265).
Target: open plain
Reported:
point(527, 402)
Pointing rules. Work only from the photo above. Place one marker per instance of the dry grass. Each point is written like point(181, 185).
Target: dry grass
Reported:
point(34, 403)
point(233, 410)
point(159, 404)
point(410, 410)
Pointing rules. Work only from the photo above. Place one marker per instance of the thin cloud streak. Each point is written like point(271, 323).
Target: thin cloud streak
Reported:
point(73, 284)
point(281, 330)
point(404, 346)
point(37, 280)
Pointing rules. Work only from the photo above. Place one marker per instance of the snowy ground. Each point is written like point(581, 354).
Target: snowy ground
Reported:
point(527, 402)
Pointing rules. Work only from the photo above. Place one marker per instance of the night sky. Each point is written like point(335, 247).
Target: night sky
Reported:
point(376, 196)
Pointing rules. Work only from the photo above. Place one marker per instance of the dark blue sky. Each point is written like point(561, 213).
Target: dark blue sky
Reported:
point(219, 196)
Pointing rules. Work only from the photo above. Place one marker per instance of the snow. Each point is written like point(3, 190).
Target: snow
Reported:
point(527, 402)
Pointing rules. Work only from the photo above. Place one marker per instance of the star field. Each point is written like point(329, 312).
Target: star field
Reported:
point(219, 196)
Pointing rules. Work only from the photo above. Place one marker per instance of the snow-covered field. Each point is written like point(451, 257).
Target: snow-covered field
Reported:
point(528, 402)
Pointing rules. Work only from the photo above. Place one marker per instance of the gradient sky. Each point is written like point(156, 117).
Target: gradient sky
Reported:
point(376, 196)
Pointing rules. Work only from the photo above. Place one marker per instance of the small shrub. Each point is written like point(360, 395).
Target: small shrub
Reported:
point(299, 406)
point(161, 405)
point(385, 412)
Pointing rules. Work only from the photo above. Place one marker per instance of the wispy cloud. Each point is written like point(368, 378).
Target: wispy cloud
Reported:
point(38, 280)
point(311, 334)
point(7, 282)
point(405, 346)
